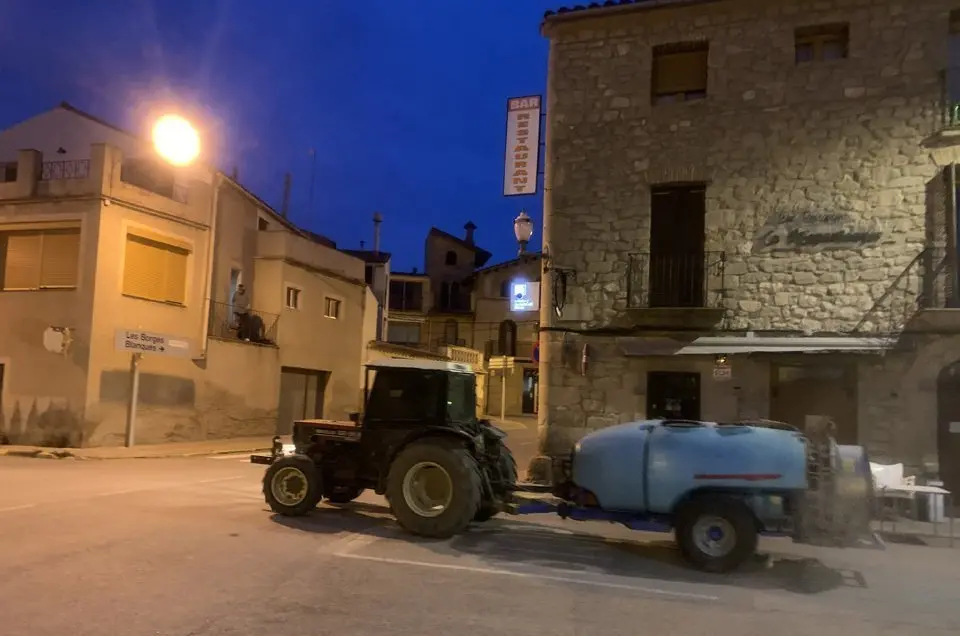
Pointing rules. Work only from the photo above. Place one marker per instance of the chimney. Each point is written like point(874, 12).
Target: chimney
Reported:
point(235, 173)
point(469, 227)
point(377, 220)
point(362, 244)
point(285, 206)
point(414, 270)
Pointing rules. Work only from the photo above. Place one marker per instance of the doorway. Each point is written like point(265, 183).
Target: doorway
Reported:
point(816, 389)
point(302, 393)
point(673, 395)
point(677, 261)
point(531, 391)
point(948, 426)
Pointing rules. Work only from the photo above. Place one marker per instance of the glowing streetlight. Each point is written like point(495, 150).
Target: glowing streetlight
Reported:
point(176, 140)
point(523, 230)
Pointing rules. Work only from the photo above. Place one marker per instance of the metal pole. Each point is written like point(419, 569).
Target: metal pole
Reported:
point(134, 393)
point(503, 394)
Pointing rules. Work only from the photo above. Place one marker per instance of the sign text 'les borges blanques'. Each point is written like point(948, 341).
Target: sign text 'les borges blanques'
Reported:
point(523, 146)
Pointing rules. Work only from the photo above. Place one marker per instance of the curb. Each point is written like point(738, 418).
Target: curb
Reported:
point(62, 453)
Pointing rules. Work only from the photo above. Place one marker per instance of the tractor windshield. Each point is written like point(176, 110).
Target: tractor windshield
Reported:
point(461, 398)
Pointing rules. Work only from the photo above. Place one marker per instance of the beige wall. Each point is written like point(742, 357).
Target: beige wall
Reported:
point(492, 309)
point(308, 339)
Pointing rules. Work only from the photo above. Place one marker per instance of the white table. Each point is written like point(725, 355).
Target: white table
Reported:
point(913, 491)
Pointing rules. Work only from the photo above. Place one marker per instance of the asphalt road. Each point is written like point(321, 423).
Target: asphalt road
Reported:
point(186, 547)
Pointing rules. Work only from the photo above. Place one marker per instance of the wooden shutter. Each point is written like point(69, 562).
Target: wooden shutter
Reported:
point(680, 72)
point(60, 258)
point(22, 263)
point(176, 275)
point(143, 269)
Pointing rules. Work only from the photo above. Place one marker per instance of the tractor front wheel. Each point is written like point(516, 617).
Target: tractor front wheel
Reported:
point(291, 486)
point(434, 488)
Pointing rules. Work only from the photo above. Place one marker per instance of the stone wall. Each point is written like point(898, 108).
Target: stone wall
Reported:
point(782, 148)
point(785, 151)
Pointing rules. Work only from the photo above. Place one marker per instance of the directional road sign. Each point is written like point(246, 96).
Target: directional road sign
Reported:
point(139, 341)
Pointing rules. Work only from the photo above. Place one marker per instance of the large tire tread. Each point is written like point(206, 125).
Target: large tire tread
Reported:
point(508, 472)
point(467, 483)
point(314, 487)
point(734, 512)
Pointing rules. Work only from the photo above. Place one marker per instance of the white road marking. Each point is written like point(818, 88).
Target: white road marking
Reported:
point(13, 508)
point(527, 575)
point(348, 543)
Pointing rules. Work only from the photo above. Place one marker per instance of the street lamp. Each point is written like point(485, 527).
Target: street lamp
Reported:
point(523, 229)
point(176, 140)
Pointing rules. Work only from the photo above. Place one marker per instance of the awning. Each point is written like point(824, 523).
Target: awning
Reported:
point(730, 345)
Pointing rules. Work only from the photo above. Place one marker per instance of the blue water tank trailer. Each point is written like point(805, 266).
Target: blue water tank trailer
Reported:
point(717, 486)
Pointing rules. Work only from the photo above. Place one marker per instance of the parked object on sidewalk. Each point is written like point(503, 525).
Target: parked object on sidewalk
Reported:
point(716, 486)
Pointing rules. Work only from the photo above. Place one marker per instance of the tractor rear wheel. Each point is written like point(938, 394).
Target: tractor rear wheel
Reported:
point(291, 486)
point(506, 477)
point(716, 533)
point(434, 488)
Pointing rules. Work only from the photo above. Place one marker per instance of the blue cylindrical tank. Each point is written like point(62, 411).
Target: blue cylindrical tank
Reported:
point(649, 466)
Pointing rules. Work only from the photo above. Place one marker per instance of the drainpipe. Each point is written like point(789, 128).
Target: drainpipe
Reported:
point(208, 282)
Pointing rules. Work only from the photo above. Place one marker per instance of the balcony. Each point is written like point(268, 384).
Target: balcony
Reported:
point(675, 290)
point(259, 327)
point(923, 299)
point(521, 349)
point(948, 131)
point(152, 177)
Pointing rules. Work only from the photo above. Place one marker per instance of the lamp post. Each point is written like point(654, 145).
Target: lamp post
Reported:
point(177, 142)
point(523, 230)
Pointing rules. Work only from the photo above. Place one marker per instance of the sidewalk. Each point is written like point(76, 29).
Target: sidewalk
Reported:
point(154, 451)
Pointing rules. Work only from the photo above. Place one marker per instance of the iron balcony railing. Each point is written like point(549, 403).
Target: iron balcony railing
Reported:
point(256, 326)
point(950, 98)
point(928, 282)
point(69, 169)
point(669, 279)
point(516, 349)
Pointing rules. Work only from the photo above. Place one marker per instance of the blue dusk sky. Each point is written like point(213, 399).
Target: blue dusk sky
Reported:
point(404, 102)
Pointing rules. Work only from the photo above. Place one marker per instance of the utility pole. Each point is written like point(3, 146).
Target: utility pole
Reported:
point(285, 206)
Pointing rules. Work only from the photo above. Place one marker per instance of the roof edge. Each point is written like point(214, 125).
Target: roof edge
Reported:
point(608, 8)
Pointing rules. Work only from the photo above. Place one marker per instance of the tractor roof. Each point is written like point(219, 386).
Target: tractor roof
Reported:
point(425, 365)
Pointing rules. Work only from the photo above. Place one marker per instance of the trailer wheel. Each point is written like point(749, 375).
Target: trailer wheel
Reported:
point(291, 486)
point(716, 533)
point(343, 494)
point(507, 476)
point(433, 488)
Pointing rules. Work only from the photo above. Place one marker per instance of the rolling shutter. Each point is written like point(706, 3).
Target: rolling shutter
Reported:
point(22, 260)
point(155, 270)
point(59, 259)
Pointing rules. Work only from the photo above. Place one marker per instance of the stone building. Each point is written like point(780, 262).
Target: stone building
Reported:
point(748, 203)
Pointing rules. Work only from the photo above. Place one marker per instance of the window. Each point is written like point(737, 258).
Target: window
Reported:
point(155, 270)
point(821, 43)
point(39, 259)
point(8, 172)
point(293, 297)
point(368, 274)
point(679, 72)
point(332, 308)
point(406, 295)
point(505, 288)
point(262, 224)
point(404, 333)
point(451, 258)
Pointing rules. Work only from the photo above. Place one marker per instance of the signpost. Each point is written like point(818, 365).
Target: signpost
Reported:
point(138, 342)
point(522, 160)
point(504, 364)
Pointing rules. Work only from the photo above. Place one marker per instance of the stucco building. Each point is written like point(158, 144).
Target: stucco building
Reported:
point(749, 204)
point(97, 235)
point(503, 328)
